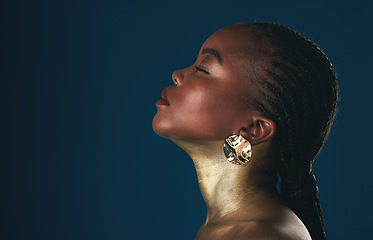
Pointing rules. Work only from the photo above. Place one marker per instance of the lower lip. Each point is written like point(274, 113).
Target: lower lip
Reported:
point(162, 102)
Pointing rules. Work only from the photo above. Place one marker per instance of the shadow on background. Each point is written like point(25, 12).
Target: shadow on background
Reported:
point(79, 80)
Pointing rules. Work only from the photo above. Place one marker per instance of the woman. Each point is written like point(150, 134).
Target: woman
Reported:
point(262, 97)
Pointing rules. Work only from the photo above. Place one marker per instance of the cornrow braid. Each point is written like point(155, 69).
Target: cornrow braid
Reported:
point(299, 91)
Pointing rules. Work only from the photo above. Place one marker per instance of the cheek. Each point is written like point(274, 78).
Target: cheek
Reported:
point(206, 114)
point(199, 112)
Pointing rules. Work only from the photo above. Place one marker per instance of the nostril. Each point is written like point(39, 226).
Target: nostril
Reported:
point(177, 76)
point(175, 79)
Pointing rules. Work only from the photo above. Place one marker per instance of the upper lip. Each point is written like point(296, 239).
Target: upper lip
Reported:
point(164, 95)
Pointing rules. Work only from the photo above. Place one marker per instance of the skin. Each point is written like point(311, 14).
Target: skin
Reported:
point(210, 101)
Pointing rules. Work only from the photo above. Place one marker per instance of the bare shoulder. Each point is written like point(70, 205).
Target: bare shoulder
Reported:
point(280, 224)
point(254, 230)
point(273, 231)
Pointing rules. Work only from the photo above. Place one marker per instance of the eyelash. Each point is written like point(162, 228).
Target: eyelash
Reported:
point(201, 69)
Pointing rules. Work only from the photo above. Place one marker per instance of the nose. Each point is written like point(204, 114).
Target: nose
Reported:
point(178, 76)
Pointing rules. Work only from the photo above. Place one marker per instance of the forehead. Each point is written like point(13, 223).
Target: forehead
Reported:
point(236, 33)
point(237, 42)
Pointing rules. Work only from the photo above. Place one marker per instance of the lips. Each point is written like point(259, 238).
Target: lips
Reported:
point(163, 100)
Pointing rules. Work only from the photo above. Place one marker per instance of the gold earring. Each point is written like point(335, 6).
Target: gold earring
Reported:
point(237, 149)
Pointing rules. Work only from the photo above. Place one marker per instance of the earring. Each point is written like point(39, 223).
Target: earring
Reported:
point(237, 149)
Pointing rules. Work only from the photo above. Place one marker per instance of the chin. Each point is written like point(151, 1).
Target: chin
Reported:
point(165, 130)
point(160, 128)
point(168, 129)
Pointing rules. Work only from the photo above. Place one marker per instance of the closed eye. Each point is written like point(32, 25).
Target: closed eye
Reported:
point(201, 69)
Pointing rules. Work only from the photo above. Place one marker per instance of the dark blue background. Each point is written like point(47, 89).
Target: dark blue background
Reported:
point(79, 80)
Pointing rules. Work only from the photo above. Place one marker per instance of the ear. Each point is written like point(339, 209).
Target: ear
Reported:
point(258, 130)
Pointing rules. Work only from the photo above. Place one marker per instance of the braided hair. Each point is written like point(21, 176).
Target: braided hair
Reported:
point(298, 90)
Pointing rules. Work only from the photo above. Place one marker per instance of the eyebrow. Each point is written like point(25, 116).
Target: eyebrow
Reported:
point(213, 52)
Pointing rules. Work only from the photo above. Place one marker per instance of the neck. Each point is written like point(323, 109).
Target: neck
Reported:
point(228, 188)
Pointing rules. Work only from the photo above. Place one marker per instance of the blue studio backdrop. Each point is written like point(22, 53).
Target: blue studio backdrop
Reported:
point(79, 82)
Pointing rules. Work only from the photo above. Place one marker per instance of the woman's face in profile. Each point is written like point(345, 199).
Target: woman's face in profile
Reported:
point(209, 100)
